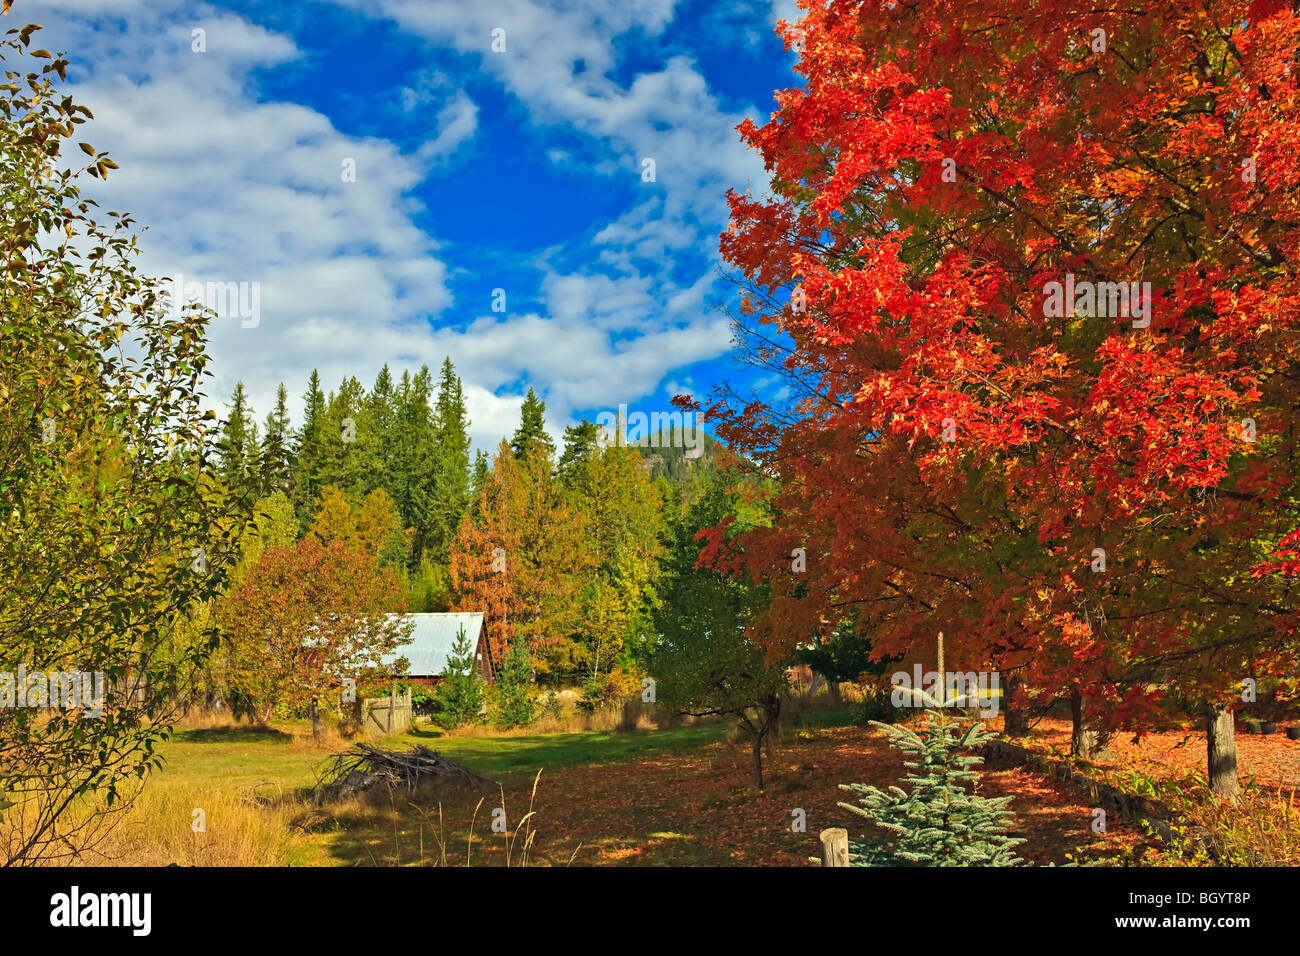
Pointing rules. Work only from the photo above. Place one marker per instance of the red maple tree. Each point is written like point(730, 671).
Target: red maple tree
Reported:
point(1030, 273)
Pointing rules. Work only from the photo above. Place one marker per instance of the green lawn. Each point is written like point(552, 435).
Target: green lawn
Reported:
point(245, 758)
point(237, 758)
point(497, 756)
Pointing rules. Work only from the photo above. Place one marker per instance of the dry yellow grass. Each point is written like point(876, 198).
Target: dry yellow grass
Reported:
point(171, 822)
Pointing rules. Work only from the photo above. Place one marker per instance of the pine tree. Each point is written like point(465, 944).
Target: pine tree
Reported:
point(451, 492)
point(531, 433)
point(376, 438)
point(276, 451)
point(346, 440)
point(405, 467)
point(458, 700)
point(238, 445)
point(579, 445)
point(942, 821)
point(306, 472)
point(413, 457)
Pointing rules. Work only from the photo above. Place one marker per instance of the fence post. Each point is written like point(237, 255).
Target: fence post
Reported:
point(392, 705)
point(835, 847)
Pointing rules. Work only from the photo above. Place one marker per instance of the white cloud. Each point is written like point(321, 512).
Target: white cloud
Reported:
point(237, 188)
point(558, 62)
point(456, 124)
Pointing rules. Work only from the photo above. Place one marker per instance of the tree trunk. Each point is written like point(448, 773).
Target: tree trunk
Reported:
point(1221, 752)
point(772, 721)
point(317, 727)
point(1015, 716)
point(758, 760)
point(833, 689)
point(1084, 743)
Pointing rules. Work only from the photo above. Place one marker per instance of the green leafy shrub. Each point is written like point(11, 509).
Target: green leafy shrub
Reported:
point(607, 690)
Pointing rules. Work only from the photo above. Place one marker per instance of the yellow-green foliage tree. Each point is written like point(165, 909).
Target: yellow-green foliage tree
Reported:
point(373, 527)
point(624, 528)
point(111, 529)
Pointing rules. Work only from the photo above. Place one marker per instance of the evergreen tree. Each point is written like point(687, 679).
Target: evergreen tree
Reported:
point(306, 471)
point(451, 493)
point(346, 439)
point(239, 452)
point(376, 438)
point(942, 821)
point(482, 473)
point(412, 458)
point(532, 428)
point(514, 701)
point(458, 700)
point(381, 400)
point(580, 443)
point(276, 454)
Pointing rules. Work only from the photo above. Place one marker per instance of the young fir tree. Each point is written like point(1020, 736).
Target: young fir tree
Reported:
point(580, 443)
point(459, 698)
point(942, 821)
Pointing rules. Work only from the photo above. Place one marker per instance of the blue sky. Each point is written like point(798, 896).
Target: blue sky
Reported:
point(475, 170)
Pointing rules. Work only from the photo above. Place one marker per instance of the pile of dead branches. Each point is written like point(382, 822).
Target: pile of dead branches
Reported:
point(365, 769)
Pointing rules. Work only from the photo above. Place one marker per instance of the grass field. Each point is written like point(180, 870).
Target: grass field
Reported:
point(653, 797)
point(239, 795)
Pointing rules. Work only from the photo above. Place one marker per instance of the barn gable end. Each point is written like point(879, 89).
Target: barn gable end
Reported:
point(431, 642)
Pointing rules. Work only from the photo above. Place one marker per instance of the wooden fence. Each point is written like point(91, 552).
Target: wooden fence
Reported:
point(386, 715)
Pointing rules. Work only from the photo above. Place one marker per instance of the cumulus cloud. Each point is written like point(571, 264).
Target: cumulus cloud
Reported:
point(236, 189)
point(559, 62)
point(236, 186)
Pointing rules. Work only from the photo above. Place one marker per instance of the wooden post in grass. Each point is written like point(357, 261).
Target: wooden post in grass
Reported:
point(392, 705)
point(835, 847)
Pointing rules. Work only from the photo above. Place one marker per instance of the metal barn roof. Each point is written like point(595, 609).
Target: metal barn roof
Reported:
point(432, 638)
